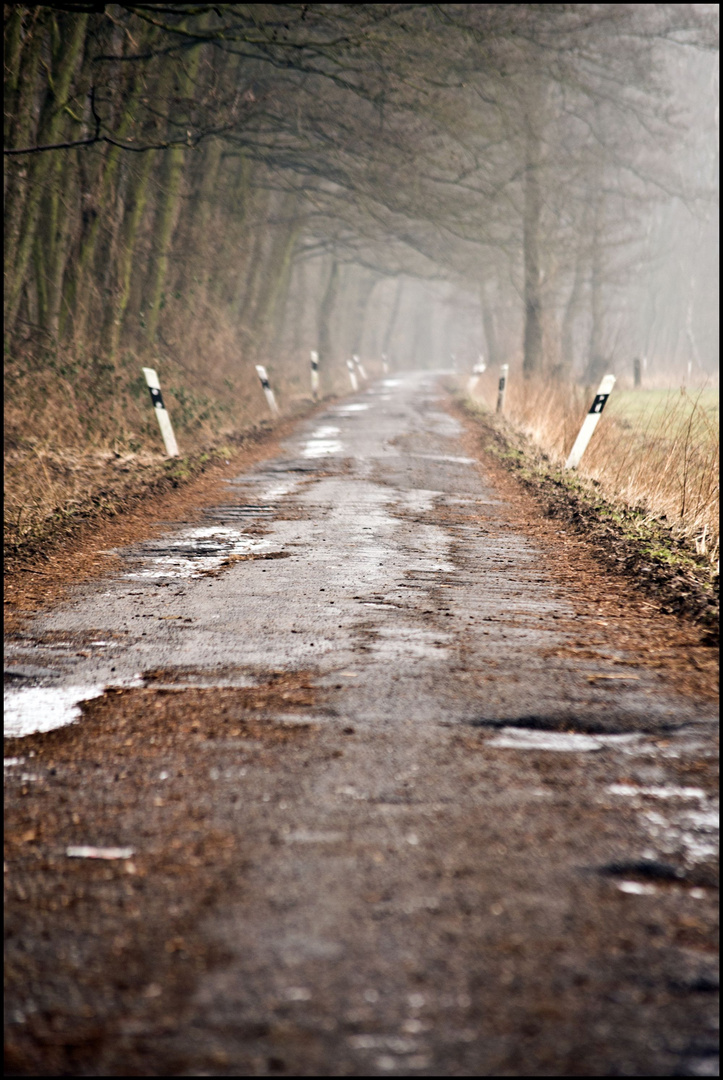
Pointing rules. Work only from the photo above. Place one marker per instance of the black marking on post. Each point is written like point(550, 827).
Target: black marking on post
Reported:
point(502, 384)
point(264, 383)
point(599, 403)
point(314, 365)
point(156, 397)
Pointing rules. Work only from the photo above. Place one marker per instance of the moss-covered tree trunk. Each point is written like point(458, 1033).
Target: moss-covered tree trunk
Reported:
point(168, 207)
point(68, 34)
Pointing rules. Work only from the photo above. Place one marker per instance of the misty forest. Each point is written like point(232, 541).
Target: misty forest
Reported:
point(204, 187)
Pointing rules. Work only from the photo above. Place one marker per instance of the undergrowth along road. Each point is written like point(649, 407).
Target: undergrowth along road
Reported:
point(657, 558)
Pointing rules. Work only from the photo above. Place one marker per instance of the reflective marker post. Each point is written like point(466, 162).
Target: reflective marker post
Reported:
point(314, 374)
point(164, 420)
point(352, 375)
point(261, 372)
point(502, 387)
point(590, 422)
point(385, 364)
point(360, 367)
point(477, 370)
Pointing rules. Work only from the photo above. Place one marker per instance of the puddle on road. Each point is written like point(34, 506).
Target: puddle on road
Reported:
point(514, 738)
point(323, 441)
point(196, 552)
point(43, 708)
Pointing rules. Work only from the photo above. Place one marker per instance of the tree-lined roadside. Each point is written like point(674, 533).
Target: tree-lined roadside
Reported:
point(214, 185)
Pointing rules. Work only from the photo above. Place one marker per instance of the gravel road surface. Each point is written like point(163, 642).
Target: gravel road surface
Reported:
point(385, 785)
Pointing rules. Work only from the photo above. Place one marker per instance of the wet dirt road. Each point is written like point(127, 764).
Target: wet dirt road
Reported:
point(396, 796)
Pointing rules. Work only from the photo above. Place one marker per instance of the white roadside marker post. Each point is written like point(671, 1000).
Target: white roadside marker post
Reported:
point(590, 422)
point(360, 367)
point(352, 375)
point(261, 372)
point(314, 375)
point(385, 364)
point(164, 420)
point(477, 370)
point(502, 387)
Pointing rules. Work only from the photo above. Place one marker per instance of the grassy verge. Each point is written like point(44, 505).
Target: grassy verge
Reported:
point(77, 488)
point(659, 558)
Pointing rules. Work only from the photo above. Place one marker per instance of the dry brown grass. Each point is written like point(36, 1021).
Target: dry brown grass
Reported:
point(654, 449)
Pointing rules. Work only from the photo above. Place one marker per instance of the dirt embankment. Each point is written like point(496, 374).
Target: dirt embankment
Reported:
point(645, 549)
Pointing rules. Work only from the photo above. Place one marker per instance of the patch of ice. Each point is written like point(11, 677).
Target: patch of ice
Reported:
point(527, 739)
point(43, 708)
point(666, 791)
point(637, 888)
point(195, 552)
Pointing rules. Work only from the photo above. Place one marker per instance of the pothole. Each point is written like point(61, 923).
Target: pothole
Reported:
point(197, 552)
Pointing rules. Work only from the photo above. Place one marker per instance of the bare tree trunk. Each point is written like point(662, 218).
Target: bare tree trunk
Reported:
point(572, 310)
point(326, 307)
point(359, 311)
point(488, 325)
point(596, 361)
point(275, 279)
point(531, 224)
point(66, 56)
point(393, 315)
point(134, 211)
point(20, 123)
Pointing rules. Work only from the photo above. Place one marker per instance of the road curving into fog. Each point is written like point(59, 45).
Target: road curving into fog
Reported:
point(390, 793)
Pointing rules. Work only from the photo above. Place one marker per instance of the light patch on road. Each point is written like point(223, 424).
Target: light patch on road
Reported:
point(356, 406)
point(323, 442)
point(43, 708)
point(445, 457)
point(410, 642)
point(528, 739)
point(688, 832)
point(637, 888)
point(196, 552)
point(666, 791)
point(691, 833)
point(308, 836)
point(277, 492)
point(419, 499)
